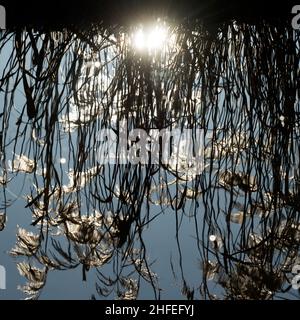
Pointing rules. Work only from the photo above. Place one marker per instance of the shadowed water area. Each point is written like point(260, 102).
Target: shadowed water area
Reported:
point(73, 227)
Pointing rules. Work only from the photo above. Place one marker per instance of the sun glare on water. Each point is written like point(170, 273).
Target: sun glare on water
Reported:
point(151, 38)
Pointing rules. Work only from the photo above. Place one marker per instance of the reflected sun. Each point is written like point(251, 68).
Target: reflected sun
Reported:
point(152, 38)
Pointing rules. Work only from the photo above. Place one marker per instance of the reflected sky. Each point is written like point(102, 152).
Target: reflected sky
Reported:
point(74, 228)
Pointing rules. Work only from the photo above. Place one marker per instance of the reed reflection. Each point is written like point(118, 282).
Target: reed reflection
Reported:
point(240, 88)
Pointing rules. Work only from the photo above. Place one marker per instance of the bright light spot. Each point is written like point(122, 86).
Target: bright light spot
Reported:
point(212, 238)
point(151, 38)
point(97, 64)
point(62, 160)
